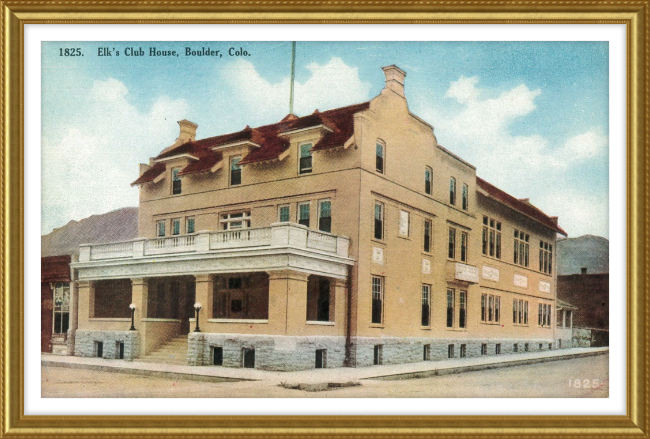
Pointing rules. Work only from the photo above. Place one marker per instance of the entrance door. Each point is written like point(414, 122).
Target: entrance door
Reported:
point(187, 310)
point(320, 358)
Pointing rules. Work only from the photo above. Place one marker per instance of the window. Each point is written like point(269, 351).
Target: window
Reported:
point(545, 257)
point(483, 348)
point(283, 213)
point(305, 158)
point(463, 351)
point(99, 349)
point(236, 221)
point(379, 162)
point(160, 228)
point(404, 220)
point(451, 254)
point(61, 307)
point(490, 308)
point(217, 356)
point(379, 220)
point(426, 305)
point(464, 237)
point(519, 312)
point(176, 226)
point(321, 359)
point(526, 347)
point(521, 248)
point(515, 347)
point(377, 357)
point(497, 349)
point(426, 352)
point(465, 197)
point(452, 191)
point(450, 351)
point(119, 350)
point(176, 181)
point(427, 236)
point(544, 315)
point(248, 358)
point(491, 237)
point(462, 312)
point(377, 299)
point(189, 224)
point(303, 214)
point(428, 176)
point(235, 171)
point(451, 305)
point(325, 216)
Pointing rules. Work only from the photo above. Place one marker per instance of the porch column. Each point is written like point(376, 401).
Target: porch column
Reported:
point(140, 297)
point(287, 301)
point(340, 302)
point(571, 320)
point(86, 303)
point(564, 318)
point(204, 292)
point(74, 319)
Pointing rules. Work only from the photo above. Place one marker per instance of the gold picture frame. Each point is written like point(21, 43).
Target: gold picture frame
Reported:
point(635, 15)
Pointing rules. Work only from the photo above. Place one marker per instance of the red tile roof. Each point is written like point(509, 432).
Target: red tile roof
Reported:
point(272, 145)
point(518, 205)
point(150, 174)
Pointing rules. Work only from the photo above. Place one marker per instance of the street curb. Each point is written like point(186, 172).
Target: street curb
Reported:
point(144, 372)
point(479, 367)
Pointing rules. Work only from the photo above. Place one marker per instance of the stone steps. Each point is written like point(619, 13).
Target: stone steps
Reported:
point(172, 352)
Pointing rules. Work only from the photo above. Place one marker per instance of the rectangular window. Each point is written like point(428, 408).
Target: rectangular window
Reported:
point(451, 304)
point(525, 312)
point(176, 226)
point(325, 216)
point(235, 171)
point(217, 356)
point(379, 220)
point(463, 351)
point(497, 349)
point(540, 313)
point(451, 254)
point(235, 221)
point(526, 347)
point(428, 177)
point(452, 191)
point(515, 310)
point(321, 358)
point(283, 213)
point(377, 357)
point(426, 305)
point(160, 228)
point(305, 158)
point(427, 236)
point(521, 248)
point(404, 220)
point(189, 224)
point(176, 181)
point(483, 348)
point(450, 351)
point(462, 312)
point(545, 257)
point(61, 307)
point(465, 197)
point(515, 347)
point(491, 237)
point(379, 162)
point(426, 352)
point(303, 214)
point(377, 299)
point(464, 237)
point(490, 308)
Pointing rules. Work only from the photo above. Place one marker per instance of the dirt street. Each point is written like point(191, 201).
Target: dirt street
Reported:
point(576, 378)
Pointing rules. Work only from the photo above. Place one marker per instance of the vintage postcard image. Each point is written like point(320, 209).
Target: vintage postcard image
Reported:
point(325, 219)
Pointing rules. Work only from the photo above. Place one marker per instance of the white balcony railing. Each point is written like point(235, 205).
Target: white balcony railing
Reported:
point(279, 235)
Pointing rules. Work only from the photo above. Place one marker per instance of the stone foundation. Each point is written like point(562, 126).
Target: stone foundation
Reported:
point(86, 343)
point(284, 353)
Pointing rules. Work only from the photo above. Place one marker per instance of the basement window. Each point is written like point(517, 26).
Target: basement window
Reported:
point(217, 356)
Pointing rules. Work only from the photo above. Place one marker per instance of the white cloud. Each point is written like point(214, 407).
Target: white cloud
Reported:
point(331, 85)
point(464, 89)
point(89, 169)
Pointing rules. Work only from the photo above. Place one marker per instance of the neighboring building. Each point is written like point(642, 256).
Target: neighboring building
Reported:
point(58, 248)
point(586, 251)
point(346, 237)
point(55, 304)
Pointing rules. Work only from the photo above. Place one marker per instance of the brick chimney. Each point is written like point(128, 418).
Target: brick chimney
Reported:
point(188, 131)
point(395, 79)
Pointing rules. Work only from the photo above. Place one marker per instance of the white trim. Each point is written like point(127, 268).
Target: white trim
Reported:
point(217, 166)
point(247, 321)
point(151, 319)
point(321, 126)
point(174, 157)
point(315, 322)
point(233, 144)
point(109, 319)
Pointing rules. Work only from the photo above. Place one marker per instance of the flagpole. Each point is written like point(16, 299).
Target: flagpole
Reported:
point(293, 75)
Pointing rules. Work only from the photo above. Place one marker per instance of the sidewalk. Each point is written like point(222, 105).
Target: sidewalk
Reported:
point(318, 377)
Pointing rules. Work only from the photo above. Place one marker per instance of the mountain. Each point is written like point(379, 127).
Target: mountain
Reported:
point(587, 251)
point(117, 225)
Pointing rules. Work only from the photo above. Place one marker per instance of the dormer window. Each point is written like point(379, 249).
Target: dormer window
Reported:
point(176, 181)
point(379, 161)
point(235, 171)
point(305, 158)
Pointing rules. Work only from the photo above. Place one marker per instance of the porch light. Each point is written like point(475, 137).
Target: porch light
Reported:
point(197, 307)
point(132, 306)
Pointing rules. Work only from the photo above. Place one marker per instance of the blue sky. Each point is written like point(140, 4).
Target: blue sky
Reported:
point(531, 116)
